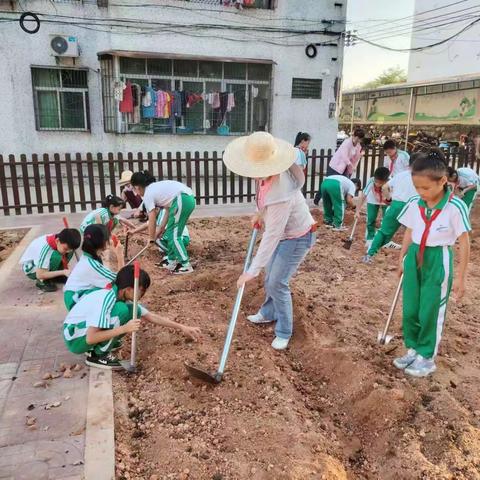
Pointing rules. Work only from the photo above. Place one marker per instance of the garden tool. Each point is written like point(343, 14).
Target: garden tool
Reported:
point(383, 337)
point(125, 247)
point(65, 223)
point(348, 242)
point(131, 365)
point(217, 377)
point(138, 254)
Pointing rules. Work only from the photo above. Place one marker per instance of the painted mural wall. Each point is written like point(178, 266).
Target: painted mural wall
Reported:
point(388, 109)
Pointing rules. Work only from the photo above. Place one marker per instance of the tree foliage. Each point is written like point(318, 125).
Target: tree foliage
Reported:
point(387, 77)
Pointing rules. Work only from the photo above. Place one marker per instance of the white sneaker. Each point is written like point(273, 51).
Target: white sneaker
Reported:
point(421, 367)
point(342, 228)
point(280, 343)
point(258, 318)
point(406, 360)
point(182, 269)
point(368, 244)
point(392, 246)
point(170, 265)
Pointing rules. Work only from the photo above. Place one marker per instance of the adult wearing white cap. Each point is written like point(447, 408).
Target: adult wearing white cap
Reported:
point(288, 226)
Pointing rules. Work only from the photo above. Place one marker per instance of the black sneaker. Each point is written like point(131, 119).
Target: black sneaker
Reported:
point(60, 279)
point(46, 286)
point(107, 361)
point(182, 269)
point(163, 263)
point(316, 199)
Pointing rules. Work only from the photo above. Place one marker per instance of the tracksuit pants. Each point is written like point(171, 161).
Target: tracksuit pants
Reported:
point(333, 202)
point(372, 214)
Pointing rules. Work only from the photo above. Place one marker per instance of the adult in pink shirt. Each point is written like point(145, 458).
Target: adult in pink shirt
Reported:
point(346, 158)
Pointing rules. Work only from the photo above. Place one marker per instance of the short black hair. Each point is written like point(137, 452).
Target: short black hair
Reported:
point(357, 182)
point(302, 136)
point(381, 173)
point(71, 237)
point(389, 144)
point(451, 172)
point(430, 163)
point(358, 132)
point(112, 201)
point(95, 237)
point(142, 179)
point(125, 278)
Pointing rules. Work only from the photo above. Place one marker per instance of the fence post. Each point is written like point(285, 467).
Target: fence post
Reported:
point(3, 186)
point(169, 166)
point(188, 168)
point(224, 183)
point(160, 166)
point(101, 176)
point(150, 162)
point(37, 183)
point(81, 181)
point(206, 177)
point(215, 177)
point(26, 183)
point(313, 170)
point(140, 161)
point(91, 181)
point(111, 173)
point(178, 166)
point(71, 190)
point(59, 180)
point(48, 182)
point(198, 193)
point(13, 175)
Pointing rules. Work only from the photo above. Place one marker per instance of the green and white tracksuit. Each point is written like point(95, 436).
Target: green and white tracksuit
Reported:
point(375, 202)
point(402, 190)
point(162, 242)
point(334, 189)
point(179, 200)
point(107, 219)
point(100, 309)
point(88, 274)
point(426, 286)
point(466, 178)
point(39, 254)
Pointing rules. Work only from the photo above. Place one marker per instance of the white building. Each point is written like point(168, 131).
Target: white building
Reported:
point(436, 20)
point(56, 102)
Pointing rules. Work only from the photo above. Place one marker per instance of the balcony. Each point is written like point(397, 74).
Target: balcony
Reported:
point(263, 4)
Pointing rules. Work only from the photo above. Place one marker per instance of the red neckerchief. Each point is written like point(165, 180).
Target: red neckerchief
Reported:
point(428, 224)
point(392, 163)
point(377, 191)
point(52, 243)
point(110, 225)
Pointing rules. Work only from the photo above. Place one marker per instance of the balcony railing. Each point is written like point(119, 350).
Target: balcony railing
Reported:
point(263, 4)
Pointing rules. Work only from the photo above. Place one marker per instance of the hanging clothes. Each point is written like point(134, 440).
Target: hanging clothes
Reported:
point(118, 88)
point(215, 100)
point(230, 102)
point(193, 99)
point(177, 104)
point(149, 103)
point(126, 104)
point(135, 116)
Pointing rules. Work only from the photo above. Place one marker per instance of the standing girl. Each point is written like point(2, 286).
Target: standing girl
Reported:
point(107, 215)
point(435, 220)
point(90, 273)
point(302, 142)
point(289, 227)
point(346, 158)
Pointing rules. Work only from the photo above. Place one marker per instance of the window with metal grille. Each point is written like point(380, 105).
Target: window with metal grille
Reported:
point(306, 88)
point(61, 99)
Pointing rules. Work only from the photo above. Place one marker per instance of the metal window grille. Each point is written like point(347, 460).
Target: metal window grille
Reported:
point(60, 99)
point(262, 4)
point(306, 88)
point(250, 84)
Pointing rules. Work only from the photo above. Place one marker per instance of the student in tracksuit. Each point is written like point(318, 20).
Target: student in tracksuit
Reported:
point(46, 258)
point(375, 198)
point(395, 160)
point(434, 220)
point(337, 191)
point(178, 200)
point(97, 323)
point(399, 190)
point(90, 273)
point(107, 215)
point(464, 182)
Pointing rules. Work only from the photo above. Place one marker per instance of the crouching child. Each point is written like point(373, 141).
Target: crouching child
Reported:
point(97, 323)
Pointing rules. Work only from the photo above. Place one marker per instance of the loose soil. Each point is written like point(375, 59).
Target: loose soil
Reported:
point(9, 239)
point(331, 407)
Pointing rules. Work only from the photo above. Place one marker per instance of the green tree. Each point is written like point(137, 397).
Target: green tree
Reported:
point(387, 77)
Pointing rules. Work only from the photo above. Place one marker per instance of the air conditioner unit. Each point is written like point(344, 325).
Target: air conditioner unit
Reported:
point(64, 46)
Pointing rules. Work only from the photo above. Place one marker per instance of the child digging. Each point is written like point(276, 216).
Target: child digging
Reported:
point(396, 160)
point(90, 273)
point(464, 182)
point(337, 191)
point(97, 323)
point(375, 198)
point(46, 258)
point(434, 220)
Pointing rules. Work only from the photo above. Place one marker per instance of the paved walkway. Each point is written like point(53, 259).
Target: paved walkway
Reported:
point(53, 448)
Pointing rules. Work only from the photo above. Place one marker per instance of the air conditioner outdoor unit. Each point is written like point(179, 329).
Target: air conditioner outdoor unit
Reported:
point(64, 46)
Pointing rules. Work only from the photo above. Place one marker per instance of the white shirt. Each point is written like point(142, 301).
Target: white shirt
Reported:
point(300, 157)
point(347, 186)
point(369, 192)
point(160, 194)
point(402, 186)
point(400, 164)
point(39, 253)
point(446, 228)
point(91, 218)
point(467, 177)
point(88, 273)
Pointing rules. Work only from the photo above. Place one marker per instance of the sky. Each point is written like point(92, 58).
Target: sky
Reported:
point(373, 19)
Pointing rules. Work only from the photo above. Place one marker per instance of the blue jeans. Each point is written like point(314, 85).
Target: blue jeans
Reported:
point(285, 261)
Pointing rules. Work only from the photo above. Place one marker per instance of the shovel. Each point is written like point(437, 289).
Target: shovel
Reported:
point(348, 242)
point(131, 365)
point(138, 254)
point(125, 248)
point(217, 377)
point(65, 223)
point(383, 337)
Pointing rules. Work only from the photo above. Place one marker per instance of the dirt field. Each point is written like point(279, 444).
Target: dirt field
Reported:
point(9, 239)
point(331, 407)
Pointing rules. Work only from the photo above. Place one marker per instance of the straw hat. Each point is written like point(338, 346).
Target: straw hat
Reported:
point(125, 178)
point(259, 155)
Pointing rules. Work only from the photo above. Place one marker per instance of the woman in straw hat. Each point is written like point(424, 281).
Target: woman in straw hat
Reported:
point(288, 226)
point(128, 194)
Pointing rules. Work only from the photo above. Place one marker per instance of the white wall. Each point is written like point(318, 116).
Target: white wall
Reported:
point(19, 51)
point(460, 56)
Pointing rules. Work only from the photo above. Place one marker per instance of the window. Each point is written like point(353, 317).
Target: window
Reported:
point(306, 88)
point(229, 98)
point(60, 99)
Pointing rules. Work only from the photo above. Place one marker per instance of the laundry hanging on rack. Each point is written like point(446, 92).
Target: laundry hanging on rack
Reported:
point(126, 104)
point(135, 117)
point(149, 103)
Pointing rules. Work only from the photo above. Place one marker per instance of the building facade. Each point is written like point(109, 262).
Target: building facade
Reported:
point(167, 75)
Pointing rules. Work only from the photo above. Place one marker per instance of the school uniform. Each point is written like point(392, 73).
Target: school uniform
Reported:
point(106, 218)
point(466, 178)
point(42, 253)
point(181, 202)
point(400, 164)
point(402, 190)
point(428, 269)
point(334, 189)
point(88, 274)
point(163, 242)
point(100, 309)
point(375, 202)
